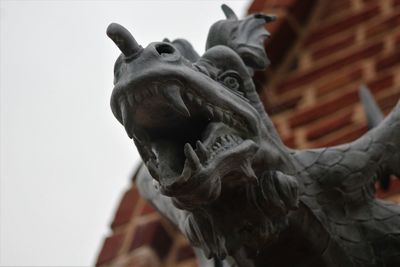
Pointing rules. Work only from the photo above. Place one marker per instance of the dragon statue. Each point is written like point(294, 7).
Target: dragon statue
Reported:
point(215, 166)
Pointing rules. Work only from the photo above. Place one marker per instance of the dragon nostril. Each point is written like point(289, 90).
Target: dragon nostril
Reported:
point(165, 49)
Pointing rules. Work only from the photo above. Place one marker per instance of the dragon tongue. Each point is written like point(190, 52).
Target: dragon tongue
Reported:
point(173, 95)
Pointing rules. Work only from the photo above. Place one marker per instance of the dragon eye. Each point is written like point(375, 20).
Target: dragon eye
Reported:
point(231, 80)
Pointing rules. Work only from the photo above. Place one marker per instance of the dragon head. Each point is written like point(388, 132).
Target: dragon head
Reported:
point(197, 122)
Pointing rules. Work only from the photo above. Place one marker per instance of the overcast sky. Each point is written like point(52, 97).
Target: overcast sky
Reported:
point(65, 160)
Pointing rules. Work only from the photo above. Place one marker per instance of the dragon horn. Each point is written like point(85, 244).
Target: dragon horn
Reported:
point(123, 39)
point(229, 14)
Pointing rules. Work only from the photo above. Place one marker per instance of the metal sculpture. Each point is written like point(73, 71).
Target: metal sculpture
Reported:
point(216, 167)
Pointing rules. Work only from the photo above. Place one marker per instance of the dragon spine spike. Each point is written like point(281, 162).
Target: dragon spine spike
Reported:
point(124, 40)
point(372, 111)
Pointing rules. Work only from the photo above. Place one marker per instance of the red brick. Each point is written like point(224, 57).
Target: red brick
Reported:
point(283, 36)
point(330, 125)
point(380, 83)
point(290, 141)
point(397, 40)
point(351, 134)
point(184, 253)
point(281, 105)
point(388, 24)
point(110, 249)
point(323, 108)
point(154, 235)
point(126, 207)
point(333, 47)
point(301, 10)
point(147, 209)
point(279, 4)
point(277, 125)
point(256, 6)
point(275, 25)
point(333, 8)
point(337, 83)
point(389, 101)
point(343, 24)
point(388, 61)
point(260, 79)
point(318, 72)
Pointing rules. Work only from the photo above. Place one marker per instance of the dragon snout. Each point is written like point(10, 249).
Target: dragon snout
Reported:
point(166, 50)
point(132, 50)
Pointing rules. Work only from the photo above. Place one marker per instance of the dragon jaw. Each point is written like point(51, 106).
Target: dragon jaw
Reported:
point(190, 128)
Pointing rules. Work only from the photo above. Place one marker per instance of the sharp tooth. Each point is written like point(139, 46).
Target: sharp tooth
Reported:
point(248, 170)
point(151, 166)
point(191, 156)
point(198, 101)
point(235, 123)
point(186, 172)
point(227, 117)
point(125, 118)
point(210, 112)
point(218, 114)
point(201, 150)
point(146, 152)
point(173, 95)
point(152, 155)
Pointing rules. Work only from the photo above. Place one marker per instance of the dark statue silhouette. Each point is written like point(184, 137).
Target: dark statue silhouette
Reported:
point(216, 167)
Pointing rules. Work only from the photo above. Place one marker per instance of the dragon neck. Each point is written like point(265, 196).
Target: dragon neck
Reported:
point(255, 101)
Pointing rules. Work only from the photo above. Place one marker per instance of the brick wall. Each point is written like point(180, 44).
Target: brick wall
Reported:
point(321, 52)
point(312, 92)
point(140, 237)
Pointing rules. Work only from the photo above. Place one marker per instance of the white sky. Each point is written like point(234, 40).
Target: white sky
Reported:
point(65, 160)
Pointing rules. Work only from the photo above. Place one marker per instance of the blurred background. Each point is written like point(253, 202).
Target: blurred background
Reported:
point(64, 158)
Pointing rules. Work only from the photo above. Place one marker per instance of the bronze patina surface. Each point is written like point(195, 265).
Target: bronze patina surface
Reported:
point(216, 167)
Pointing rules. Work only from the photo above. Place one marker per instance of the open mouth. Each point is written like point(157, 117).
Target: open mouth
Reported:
point(179, 133)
